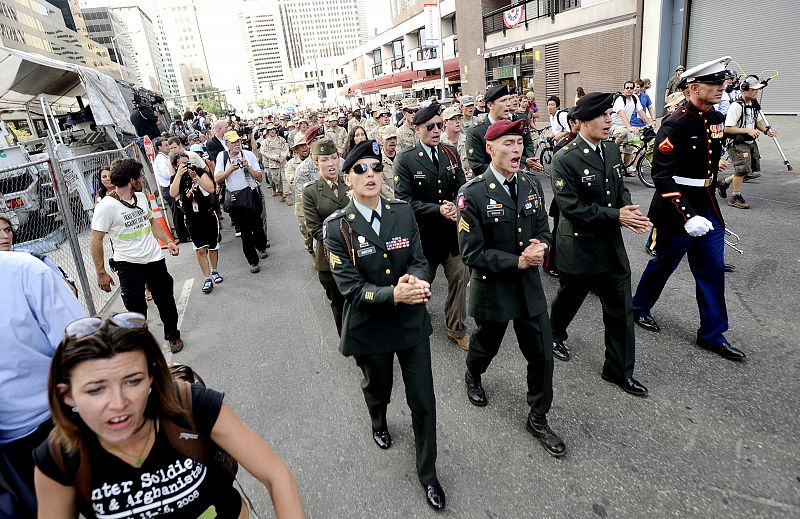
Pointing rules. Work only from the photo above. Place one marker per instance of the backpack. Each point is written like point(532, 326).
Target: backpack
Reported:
point(741, 139)
point(565, 123)
point(183, 437)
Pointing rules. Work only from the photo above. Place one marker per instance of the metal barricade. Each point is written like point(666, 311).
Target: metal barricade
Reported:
point(51, 203)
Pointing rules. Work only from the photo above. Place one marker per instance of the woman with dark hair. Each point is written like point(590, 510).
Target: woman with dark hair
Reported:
point(104, 185)
point(115, 408)
point(578, 94)
point(357, 135)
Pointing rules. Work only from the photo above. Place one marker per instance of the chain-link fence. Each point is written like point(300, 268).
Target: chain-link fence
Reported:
point(51, 201)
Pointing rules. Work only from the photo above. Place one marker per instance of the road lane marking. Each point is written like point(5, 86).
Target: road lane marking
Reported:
point(181, 304)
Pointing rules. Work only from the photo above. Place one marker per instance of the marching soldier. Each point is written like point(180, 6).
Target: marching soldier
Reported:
point(498, 99)
point(320, 199)
point(455, 136)
point(275, 150)
point(428, 177)
point(376, 258)
point(685, 211)
point(388, 140)
point(468, 112)
point(301, 152)
point(336, 133)
point(503, 234)
point(594, 204)
point(405, 133)
point(382, 119)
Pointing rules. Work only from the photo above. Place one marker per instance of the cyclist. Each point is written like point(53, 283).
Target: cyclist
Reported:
point(624, 107)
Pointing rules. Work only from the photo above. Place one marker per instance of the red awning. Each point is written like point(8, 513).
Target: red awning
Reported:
point(383, 81)
point(451, 65)
point(368, 87)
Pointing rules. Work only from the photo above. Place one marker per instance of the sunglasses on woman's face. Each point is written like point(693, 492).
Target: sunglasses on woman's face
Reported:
point(360, 169)
point(430, 126)
point(87, 326)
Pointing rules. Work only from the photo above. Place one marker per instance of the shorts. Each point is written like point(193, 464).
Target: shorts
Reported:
point(620, 134)
point(745, 157)
point(204, 230)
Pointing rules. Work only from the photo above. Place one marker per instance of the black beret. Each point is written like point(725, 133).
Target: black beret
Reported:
point(364, 150)
point(493, 93)
point(591, 105)
point(424, 115)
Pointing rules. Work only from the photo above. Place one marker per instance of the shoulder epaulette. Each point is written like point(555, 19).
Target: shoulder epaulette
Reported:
point(397, 201)
point(335, 215)
point(309, 183)
point(475, 180)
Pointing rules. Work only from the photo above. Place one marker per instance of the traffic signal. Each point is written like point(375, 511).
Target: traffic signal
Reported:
point(238, 91)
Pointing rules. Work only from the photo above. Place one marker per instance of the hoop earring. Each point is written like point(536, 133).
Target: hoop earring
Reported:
point(75, 409)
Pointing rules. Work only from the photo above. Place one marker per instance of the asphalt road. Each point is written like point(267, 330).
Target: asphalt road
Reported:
point(714, 438)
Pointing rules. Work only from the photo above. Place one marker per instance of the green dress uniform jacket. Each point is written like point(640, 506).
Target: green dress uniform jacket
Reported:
point(476, 146)
point(493, 231)
point(319, 202)
point(426, 189)
point(366, 268)
point(589, 194)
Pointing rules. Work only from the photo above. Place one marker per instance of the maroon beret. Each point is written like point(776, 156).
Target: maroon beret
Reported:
point(504, 127)
point(314, 132)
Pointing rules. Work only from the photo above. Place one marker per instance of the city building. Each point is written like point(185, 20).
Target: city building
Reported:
point(316, 35)
point(187, 52)
point(266, 59)
point(401, 61)
point(39, 27)
point(108, 29)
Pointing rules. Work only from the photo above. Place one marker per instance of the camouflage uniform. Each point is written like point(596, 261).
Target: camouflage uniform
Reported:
point(461, 146)
point(406, 136)
point(275, 150)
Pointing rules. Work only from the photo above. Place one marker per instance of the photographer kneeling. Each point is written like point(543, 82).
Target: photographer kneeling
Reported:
point(193, 188)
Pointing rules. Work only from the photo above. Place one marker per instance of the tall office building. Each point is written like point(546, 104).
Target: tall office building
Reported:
point(315, 33)
point(106, 28)
point(144, 45)
point(38, 26)
point(266, 60)
point(184, 40)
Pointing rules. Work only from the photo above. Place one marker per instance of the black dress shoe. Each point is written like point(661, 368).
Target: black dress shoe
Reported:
point(728, 267)
point(382, 439)
point(647, 322)
point(560, 350)
point(627, 384)
point(434, 496)
point(650, 251)
point(551, 442)
point(475, 392)
point(553, 273)
point(724, 350)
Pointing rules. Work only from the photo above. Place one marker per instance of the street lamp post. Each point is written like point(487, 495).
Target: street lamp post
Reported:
point(116, 50)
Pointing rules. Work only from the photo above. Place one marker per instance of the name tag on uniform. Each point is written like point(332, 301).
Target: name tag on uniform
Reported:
point(365, 251)
point(588, 178)
point(620, 169)
point(419, 174)
point(496, 212)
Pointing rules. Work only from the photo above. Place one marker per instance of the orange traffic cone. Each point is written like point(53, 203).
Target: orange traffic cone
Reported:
point(159, 217)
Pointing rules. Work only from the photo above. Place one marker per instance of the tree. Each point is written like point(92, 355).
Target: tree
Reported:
point(210, 101)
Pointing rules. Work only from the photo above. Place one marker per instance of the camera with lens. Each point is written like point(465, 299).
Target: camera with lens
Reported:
point(194, 167)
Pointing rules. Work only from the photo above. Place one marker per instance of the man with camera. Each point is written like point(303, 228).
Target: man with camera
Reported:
point(241, 173)
point(744, 124)
point(145, 119)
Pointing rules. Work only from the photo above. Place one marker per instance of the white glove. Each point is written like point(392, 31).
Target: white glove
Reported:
point(698, 226)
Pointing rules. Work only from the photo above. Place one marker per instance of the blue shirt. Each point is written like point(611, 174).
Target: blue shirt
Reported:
point(644, 99)
point(37, 305)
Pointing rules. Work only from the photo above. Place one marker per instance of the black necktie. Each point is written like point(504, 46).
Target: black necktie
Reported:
point(375, 216)
point(600, 153)
point(335, 190)
point(512, 188)
point(435, 159)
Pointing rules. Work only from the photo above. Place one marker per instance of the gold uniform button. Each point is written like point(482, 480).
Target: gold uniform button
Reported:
point(589, 184)
point(683, 208)
point(609, 205)
point(440, 181)
point(496, 219)
point(483, 277)
point(521, 244)
point(440, 191)
point(608, 192)
point(694, 147)
point(576, 234)
point(519, 229)
point(385, 255)
point(677, 199)
point(388, 271)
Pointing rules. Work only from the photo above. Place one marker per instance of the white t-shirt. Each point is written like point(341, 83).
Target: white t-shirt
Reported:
point(631, 106)
point(556, 125)
point(735, 112)
point(128, 228)
point(237, 180)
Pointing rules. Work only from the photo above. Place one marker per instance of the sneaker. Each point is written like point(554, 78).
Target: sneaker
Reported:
point(216, 277)
point(738, 202)
point(263, 253)
point(208, 286)
point(751, 176)
point(176, 345)
point(722, 188)
point(255, 269)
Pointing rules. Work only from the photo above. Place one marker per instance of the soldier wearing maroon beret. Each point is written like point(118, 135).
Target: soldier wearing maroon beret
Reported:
point(503, 235)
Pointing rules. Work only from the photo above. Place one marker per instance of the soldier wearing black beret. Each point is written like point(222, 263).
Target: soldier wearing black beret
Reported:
point(428, 176)
point(497, 98)
point(376, 258)
point(503, 233)
point(594, 204)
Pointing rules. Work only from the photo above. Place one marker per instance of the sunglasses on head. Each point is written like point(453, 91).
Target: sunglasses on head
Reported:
point(430, 126)
point(360, 169)
point(88, 326)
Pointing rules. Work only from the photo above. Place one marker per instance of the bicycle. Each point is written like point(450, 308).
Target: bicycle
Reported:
point(546, 149)
point(641, 152)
